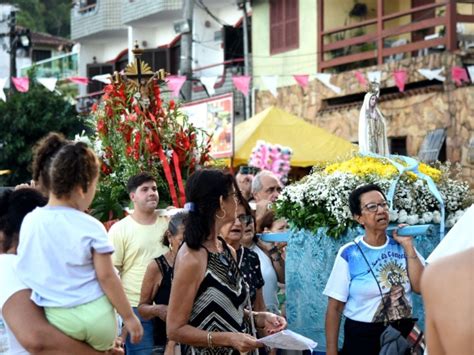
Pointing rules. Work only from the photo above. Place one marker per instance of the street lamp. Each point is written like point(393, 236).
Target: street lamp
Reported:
point(25, 41)
point(19, 38)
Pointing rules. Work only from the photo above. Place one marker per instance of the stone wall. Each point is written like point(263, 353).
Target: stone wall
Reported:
point(409, 115)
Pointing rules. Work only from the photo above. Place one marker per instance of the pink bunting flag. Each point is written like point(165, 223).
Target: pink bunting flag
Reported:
point(361, 78)
point(21, 84)
point(400, 77)
point(459, 75)
point(79, 80)
point(242, 83)
point(302, 80)
point(175, 83)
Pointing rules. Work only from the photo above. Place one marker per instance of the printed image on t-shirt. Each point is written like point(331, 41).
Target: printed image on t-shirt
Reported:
point(392, 276)
point(352, 282)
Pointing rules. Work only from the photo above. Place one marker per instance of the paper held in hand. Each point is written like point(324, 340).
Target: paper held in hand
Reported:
point(288, 340)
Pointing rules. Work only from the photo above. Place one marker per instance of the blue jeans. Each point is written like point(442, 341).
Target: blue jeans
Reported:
point(145, 347)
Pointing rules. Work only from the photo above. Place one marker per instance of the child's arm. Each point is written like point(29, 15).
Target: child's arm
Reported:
point(112, 287)
point(30, 327)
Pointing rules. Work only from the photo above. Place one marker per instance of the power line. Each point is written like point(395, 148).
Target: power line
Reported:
point(201, 5)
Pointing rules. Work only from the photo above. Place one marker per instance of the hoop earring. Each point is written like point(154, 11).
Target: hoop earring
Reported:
point(221, 217)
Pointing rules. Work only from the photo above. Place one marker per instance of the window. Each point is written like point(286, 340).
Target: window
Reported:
point(398, 145)
point(284, 25)
point(432, 146)
point(233, 42)
point(163, 58)
point(87, 5)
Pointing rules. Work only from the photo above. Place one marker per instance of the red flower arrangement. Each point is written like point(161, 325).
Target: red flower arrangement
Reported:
point(136, 132)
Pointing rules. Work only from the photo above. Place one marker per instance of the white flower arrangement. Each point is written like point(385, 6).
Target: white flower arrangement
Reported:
point(321, 198)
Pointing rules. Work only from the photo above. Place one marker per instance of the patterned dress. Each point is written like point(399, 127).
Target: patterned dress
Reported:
point(220, 300)
point(249, 265)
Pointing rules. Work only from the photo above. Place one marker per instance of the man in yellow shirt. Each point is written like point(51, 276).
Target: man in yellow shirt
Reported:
point(137, 241)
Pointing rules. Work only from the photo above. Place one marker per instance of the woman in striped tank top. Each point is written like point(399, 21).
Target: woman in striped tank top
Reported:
point(209, 295)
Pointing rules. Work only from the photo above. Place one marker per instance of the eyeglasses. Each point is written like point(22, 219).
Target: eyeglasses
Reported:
point(245, 219)
point(373, 207)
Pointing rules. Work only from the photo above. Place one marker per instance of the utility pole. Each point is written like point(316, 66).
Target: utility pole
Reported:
point(13, 42)
point(247, 100)
point(185, 65)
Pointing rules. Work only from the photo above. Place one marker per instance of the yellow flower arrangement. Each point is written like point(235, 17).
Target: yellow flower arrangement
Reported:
point(434, 173)
point(364, 166)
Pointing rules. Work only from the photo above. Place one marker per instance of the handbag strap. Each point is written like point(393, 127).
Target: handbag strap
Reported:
point(375, 278)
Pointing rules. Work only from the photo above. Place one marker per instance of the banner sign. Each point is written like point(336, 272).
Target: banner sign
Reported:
point(216, 116)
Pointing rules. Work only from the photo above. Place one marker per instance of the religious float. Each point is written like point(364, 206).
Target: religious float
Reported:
point(427, 198)
point(137, 131)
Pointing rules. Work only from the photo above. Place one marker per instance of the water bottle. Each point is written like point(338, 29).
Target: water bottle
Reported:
point(3, 338)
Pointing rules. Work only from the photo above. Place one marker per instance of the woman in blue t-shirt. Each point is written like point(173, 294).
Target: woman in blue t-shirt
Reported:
point(371, 297)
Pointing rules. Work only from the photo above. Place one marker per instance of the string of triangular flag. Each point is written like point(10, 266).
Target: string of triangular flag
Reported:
point(23, 84)
point(270, 82)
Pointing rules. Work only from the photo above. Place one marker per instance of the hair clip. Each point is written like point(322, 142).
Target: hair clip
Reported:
point(190, 207)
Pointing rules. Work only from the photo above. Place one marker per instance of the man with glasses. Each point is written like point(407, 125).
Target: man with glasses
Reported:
point(266, 187)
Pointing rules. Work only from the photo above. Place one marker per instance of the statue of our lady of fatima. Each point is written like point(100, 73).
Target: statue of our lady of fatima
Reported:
point(372, 126)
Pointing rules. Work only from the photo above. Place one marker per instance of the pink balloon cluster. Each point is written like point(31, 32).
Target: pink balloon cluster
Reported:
point(273, 157)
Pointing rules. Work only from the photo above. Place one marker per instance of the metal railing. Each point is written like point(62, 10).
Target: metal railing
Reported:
point(60, 67)
point(342, 51)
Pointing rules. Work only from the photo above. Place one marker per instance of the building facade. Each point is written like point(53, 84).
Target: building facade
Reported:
point(348, 39)
point(108, 29)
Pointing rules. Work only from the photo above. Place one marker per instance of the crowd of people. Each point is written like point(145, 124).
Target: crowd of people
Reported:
point(199, 281)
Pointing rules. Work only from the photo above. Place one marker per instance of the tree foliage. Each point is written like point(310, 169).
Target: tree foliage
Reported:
point(50, 16)
point(24, 119)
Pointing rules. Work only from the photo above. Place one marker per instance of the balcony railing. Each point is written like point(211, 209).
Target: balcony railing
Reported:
point(86, 5)
point(377, 46)
point(59, 67)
